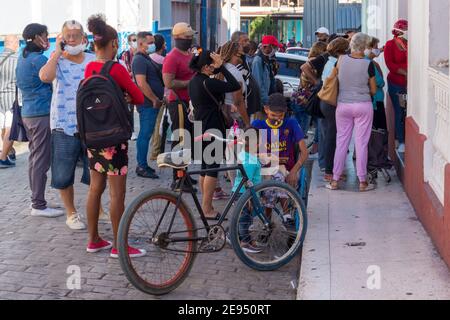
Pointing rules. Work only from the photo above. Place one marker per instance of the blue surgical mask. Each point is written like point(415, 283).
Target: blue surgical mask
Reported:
point(151, 48)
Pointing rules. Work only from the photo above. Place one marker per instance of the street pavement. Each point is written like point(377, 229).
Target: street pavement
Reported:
point(368, 246)
point(38, 255)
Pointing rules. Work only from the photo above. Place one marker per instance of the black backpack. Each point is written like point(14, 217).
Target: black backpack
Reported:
point(104, 117)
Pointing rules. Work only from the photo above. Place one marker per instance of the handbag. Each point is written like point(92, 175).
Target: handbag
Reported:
point(313, 106)
point(330, 89)
point(18, 132)
point(224, 110)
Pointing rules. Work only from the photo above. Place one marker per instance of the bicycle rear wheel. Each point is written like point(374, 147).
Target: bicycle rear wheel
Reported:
point(145, 224)
point(268, 248)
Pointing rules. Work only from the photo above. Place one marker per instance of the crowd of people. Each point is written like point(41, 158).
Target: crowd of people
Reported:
point(234, 87)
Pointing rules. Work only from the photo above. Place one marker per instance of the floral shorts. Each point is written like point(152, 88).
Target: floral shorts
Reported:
point(111, 161)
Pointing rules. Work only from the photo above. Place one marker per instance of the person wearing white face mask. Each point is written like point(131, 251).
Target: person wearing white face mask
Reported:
point(66, 69)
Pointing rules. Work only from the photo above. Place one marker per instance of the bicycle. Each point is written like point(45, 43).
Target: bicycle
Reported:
point(172, 240)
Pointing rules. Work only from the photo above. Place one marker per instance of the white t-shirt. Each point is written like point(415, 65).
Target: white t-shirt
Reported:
point(238, 75)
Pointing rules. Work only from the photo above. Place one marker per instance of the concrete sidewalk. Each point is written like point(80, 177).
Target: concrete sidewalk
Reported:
point(368, 246)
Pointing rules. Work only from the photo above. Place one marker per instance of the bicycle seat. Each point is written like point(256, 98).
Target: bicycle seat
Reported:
point(175, 160)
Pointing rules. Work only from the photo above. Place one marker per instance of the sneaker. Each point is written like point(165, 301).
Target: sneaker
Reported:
point(47, 213)
point(99, 246)
point(74, 222)
point(220, 195)
point(134, 137)
point(249, 248)
point(146, 173)
point(401, 148)
point(7, 164)
point(132, 252)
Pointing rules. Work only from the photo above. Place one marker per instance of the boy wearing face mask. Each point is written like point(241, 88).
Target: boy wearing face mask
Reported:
point(147, 77)
point(66, 68)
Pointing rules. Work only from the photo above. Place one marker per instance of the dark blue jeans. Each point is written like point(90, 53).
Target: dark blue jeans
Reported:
point(400, 117)
point(147, 119)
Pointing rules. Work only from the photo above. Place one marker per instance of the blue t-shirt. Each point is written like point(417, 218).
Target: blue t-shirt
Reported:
point(143, 65)
point(282, 141)
point(36, 95)
point(252, 167)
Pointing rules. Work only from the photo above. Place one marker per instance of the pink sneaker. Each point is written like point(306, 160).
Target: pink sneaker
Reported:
point(132, 252)
point(99, 246)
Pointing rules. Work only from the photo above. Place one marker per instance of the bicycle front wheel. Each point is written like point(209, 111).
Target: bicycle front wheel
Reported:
point(270, 239)
point(151, 222)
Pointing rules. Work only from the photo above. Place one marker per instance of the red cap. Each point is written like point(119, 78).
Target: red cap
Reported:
point(266, 40)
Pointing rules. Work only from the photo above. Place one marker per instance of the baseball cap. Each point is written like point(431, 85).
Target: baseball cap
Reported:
point(277, 103)
point(183, 29)
point(272, 40)
point(323, 30)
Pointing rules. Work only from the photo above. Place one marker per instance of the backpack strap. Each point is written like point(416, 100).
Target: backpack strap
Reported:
point(106, 70)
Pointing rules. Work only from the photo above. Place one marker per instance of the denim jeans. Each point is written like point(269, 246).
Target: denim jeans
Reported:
point(147, 119)
point(394, 90)
point(66, 151)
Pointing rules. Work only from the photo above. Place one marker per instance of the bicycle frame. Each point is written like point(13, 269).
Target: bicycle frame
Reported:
point(185, 176)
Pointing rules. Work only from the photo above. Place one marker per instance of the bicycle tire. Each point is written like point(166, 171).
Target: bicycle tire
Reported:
point(126, 264)
point(234, 228)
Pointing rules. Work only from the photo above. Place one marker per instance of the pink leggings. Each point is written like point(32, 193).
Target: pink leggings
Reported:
point(360, 117)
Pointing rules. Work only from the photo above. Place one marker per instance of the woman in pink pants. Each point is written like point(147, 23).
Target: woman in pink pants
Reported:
point(357, 85)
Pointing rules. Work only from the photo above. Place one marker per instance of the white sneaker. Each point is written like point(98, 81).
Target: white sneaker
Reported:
point(74, 222)
point(47, 213)
point(401, 148)
point(134, 137)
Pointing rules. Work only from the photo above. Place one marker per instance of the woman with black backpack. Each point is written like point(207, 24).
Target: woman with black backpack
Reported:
point(108, 163)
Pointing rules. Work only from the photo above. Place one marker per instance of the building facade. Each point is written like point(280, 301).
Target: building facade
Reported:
point(425, 168)
point(214, 19)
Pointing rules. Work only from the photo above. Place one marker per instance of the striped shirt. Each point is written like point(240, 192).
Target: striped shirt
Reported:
point(7, 80)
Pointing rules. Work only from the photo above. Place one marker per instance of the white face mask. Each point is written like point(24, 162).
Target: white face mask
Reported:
point(134, 45)
point(376, 52)
point(73, 51)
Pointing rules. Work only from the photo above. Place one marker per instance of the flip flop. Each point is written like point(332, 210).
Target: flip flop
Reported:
point(216, 218)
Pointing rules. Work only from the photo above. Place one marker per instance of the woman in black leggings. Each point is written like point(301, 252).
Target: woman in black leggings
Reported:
point(206, 94)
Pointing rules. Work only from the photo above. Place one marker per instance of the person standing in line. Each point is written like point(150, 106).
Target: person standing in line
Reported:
point(37, 97)
point(8, 65)
point(127, 56)
point(177, 76)
point(109, 164)
point(146, 76)
point(158, 61)
point(357, 86)
point(396, 56)
point(66, 68)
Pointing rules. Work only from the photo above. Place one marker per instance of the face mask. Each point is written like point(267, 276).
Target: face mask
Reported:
point(151, 48)
point(73, 51)
point(134, 45)
point(183, 44)
point(405, 36)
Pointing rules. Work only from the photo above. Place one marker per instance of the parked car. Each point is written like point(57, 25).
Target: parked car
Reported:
point(290, 71)
point(298, 51)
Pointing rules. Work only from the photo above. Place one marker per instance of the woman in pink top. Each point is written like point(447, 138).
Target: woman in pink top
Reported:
point(109, 164)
